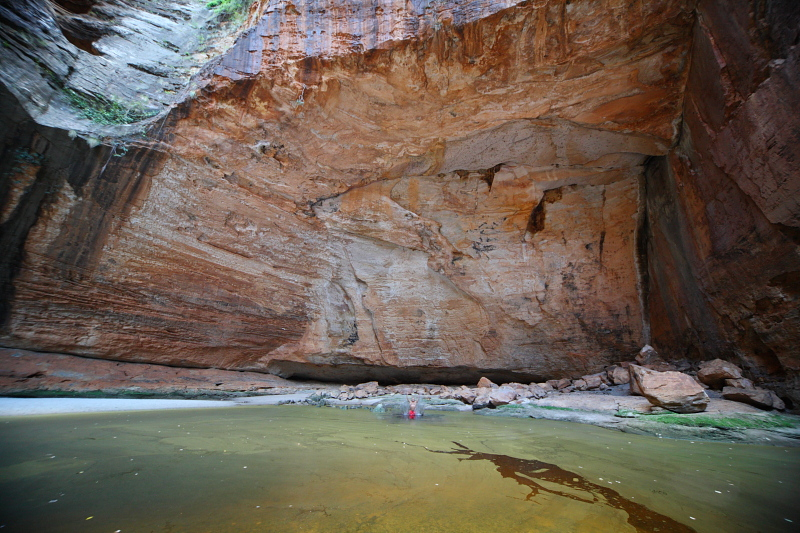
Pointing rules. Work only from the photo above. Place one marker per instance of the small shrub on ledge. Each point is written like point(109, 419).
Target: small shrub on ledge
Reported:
point(107, 111)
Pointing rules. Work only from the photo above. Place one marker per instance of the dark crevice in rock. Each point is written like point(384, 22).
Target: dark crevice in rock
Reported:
point(790, 232)
point(78, 7)
point(537, 218)
point(357, 372)
point(682, 321)
point(641, 259)
point(601, 244)
point(788, 283)
point(154, 69)
point(486, 174)
point(87, 45)
point(14, 231)
point(81, 30)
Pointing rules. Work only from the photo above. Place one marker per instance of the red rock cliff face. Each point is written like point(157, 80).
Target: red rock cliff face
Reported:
point(724, 206)
point(400, 190)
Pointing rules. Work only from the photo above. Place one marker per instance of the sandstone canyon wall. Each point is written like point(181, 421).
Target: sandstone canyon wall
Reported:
point(724, 205)
point(413, 191)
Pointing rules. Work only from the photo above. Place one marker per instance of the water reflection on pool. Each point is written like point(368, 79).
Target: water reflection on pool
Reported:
point(292, 469)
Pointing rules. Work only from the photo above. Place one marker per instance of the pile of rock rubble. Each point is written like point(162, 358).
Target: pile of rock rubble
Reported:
point(675, 387)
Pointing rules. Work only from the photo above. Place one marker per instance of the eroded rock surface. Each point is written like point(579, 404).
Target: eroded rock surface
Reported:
point(432, 190)
point(414, 191)
point(29, 373)
point(93, 67)
point(723, 206)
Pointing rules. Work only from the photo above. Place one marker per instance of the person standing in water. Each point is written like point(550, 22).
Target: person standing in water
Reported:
point(414, 409)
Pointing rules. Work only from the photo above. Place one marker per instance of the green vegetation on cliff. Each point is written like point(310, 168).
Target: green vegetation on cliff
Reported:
point(228, 8)
point(108, 111)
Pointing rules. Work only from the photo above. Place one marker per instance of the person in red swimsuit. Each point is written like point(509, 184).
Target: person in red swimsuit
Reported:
point(413, 409)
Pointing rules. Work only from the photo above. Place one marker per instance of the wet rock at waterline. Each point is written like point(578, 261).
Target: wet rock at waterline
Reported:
point(502, 396)
point(465, 395)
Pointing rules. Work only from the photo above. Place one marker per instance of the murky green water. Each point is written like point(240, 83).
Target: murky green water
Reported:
point(292, 469)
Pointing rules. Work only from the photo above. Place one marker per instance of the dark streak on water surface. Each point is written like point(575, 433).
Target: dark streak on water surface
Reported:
point(526, 471)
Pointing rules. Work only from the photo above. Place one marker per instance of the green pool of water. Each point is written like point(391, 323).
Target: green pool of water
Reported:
point(292, 469)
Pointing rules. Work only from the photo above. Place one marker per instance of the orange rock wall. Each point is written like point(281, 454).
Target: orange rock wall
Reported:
point(429, 190)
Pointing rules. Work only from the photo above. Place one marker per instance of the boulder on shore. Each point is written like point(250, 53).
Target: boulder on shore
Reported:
point(714, 373)
point(595, 381)
point(371, 387)
point(482, 398)
point(465, 395)
point(671, 390)
point(485, 383)
point(559, 384)
point(619, 375)
point(761, 398)
point(741, 383)
point(535, 391)
point(502, 396)
point(648, 356)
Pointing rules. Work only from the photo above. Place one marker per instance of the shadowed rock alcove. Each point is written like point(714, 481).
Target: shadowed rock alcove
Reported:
point(405, 191)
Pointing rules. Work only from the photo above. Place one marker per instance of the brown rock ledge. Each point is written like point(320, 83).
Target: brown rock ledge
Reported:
point(25, 373)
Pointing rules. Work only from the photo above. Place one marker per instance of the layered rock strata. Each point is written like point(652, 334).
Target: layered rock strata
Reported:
point(94, 67)
point(426, 191)
point(24, 373)
point(447, 190)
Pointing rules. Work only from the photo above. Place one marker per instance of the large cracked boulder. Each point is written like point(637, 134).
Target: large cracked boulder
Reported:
point(595, 381)
point(741, 383)
point(674, 391)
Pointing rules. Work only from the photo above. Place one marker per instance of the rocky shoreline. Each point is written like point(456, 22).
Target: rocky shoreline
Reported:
point(613, 407)
point(602, 399)
point(666, 387)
